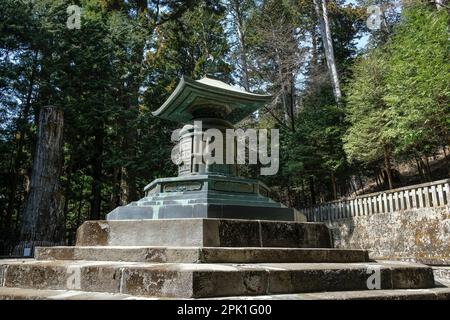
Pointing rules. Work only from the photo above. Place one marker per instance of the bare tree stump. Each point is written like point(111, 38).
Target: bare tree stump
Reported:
point(43, 215)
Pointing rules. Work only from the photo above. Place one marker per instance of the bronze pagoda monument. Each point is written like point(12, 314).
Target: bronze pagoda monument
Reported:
point(205, 190)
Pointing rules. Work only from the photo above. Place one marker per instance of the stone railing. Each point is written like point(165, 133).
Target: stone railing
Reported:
point(426, 195)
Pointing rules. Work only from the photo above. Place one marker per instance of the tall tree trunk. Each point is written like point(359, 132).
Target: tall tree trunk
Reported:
point(128, 176)
point(292, 101)
point(80, 204)
point(289, 195)
point(287, 87)
point(419, 169)
point(387, 164)
point(115, 199)
point(132, 135)
point(312, 190)
point(361, 184)
point(353, 186)
point(305, 200)
point(288, 98)
point(97, 175)
point(428, 168)
point(377, 180)
point(324, 26)
point(333, 185)
point(130, 172)
point(447, 161)
point(43, 216)
point(131, 106)
point(314, 50)
point(18, 159)
point(425, 170)
point(238, 20)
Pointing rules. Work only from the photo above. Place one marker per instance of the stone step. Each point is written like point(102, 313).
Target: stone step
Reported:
point(204, 233)
point(399, 294)
point(201, 255)
point(36, 294)
point(197, 280)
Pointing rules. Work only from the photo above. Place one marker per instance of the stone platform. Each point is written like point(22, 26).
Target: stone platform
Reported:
point(209, 258)
point(202, 280)
point(202, 255)
point(204, 233)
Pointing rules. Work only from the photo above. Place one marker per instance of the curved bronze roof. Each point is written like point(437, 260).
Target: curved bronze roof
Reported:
point(189, 95)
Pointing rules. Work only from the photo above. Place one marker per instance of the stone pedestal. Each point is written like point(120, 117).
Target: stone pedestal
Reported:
point(207, 258)
point(204, 233)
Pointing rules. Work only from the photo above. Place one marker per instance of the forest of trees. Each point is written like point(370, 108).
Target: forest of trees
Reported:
point(352, 103)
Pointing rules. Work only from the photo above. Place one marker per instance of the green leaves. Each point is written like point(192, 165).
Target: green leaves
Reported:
point(400, 91)
point(418, 81)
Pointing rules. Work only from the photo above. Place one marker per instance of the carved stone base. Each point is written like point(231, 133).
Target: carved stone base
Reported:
point(206, 196)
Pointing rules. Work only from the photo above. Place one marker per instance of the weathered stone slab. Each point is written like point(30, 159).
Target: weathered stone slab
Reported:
point(204, 233)
point(159, 282)
point(398, 294)
point(201, 255)
point(405, 278)
point(37, 276)
point(185, 280)
point(128, 254)
point(35, 294)
point(409, 294)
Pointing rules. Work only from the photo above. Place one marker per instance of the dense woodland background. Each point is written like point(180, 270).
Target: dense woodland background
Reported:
point(352, 120)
